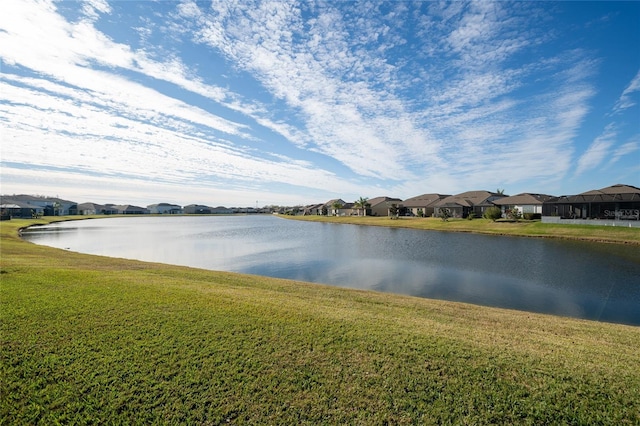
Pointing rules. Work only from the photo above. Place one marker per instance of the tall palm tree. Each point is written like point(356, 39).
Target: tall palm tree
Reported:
point(362, 203)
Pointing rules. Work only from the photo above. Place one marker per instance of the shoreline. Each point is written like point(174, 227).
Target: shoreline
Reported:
point(530, 229)
point(533, 229)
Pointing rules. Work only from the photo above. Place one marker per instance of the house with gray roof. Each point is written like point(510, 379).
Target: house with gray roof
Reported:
point(12, 208)
point(466, 203)
point(379, 206)
point(164, 208)
point(329, 206)
point(526, 203)
point(93, 208)
point(130, 209)
point(424, 204)
point(51, 206)
point(196, 209)
point(615, 202)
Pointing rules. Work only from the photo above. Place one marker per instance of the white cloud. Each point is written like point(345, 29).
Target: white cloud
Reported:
point(598, 151)
point(626, 99)
point(336, 93)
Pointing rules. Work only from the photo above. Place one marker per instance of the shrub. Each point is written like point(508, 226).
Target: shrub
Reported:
point(493, 213)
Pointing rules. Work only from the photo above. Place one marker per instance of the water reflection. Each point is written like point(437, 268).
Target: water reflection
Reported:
point(584, 280)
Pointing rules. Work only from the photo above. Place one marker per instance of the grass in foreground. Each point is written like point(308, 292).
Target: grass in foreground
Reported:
point(88, 339)
point(609, 234)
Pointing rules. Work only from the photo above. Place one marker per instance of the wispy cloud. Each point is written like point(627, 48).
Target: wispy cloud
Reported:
point(627, 100)
point(598, 151)
point(353, 97)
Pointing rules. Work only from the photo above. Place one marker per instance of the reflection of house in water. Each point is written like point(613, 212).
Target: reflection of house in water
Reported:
point(617, 202)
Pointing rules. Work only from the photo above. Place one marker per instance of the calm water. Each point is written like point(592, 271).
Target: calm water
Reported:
point(583, 280)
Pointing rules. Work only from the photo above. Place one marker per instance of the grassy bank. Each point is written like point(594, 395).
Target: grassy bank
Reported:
point(88, 339)
point(609, 234)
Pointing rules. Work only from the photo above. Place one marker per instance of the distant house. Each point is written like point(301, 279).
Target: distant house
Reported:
point(313, 210)
point(348, 209)
point(526, 203)
point(329, 206)
point(380, 205)
point(424, 203)
point(616, 202)
point(462, 205)
point(130, 209)
point(221, 210)
point(93, 208)
point(164, 208)
point(20, 209)
point(196, 209)
point(51, 206)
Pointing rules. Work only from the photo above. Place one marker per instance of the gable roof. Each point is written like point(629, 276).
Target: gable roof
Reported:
point(330, 202)
point(379, 200)
point(468, 199)
point(610, 194)
point(523, 199)
point(424, 200)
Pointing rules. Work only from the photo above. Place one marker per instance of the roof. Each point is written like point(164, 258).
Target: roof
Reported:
point(424, 200)
point(19, 205)
point(29, 198)
point(523, 199)
point(384, 199)
point(610, 194)
point(468, 199)
point(335, 200)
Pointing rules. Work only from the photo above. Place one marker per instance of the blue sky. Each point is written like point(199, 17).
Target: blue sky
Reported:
point(240, 102)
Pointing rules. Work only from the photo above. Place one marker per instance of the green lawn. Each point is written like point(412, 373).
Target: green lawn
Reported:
point(88, 339)
point(610, 234)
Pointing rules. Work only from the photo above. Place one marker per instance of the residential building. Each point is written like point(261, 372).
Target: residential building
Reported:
point(422, 205)
point(93, 208)
point(51, 206)
point(164, 208)
point(313, 210)
point(379, 206)
point(221, 210)
point(196, 209)
point(616, 202)
point(329, 205)
point(129, 209)
point(466, 203)
point(11, 208)
point(526, 203)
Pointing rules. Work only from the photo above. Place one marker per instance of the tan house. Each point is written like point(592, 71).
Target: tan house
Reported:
point(422, 205)
point(380, 205)
point(462, 205)
point(331, 210)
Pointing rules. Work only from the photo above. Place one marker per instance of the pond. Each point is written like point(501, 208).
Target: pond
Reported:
point(577, 279)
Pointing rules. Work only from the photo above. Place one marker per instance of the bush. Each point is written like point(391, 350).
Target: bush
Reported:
point(493, 213)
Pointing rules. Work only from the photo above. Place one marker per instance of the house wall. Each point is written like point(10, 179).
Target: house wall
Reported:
point(382, 209)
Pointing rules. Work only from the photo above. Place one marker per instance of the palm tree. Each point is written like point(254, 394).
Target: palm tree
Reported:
point(337, 205)
point(362, 203)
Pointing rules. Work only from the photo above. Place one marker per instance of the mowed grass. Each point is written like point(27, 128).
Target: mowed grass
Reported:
point(89, 339)
point(610, 234)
